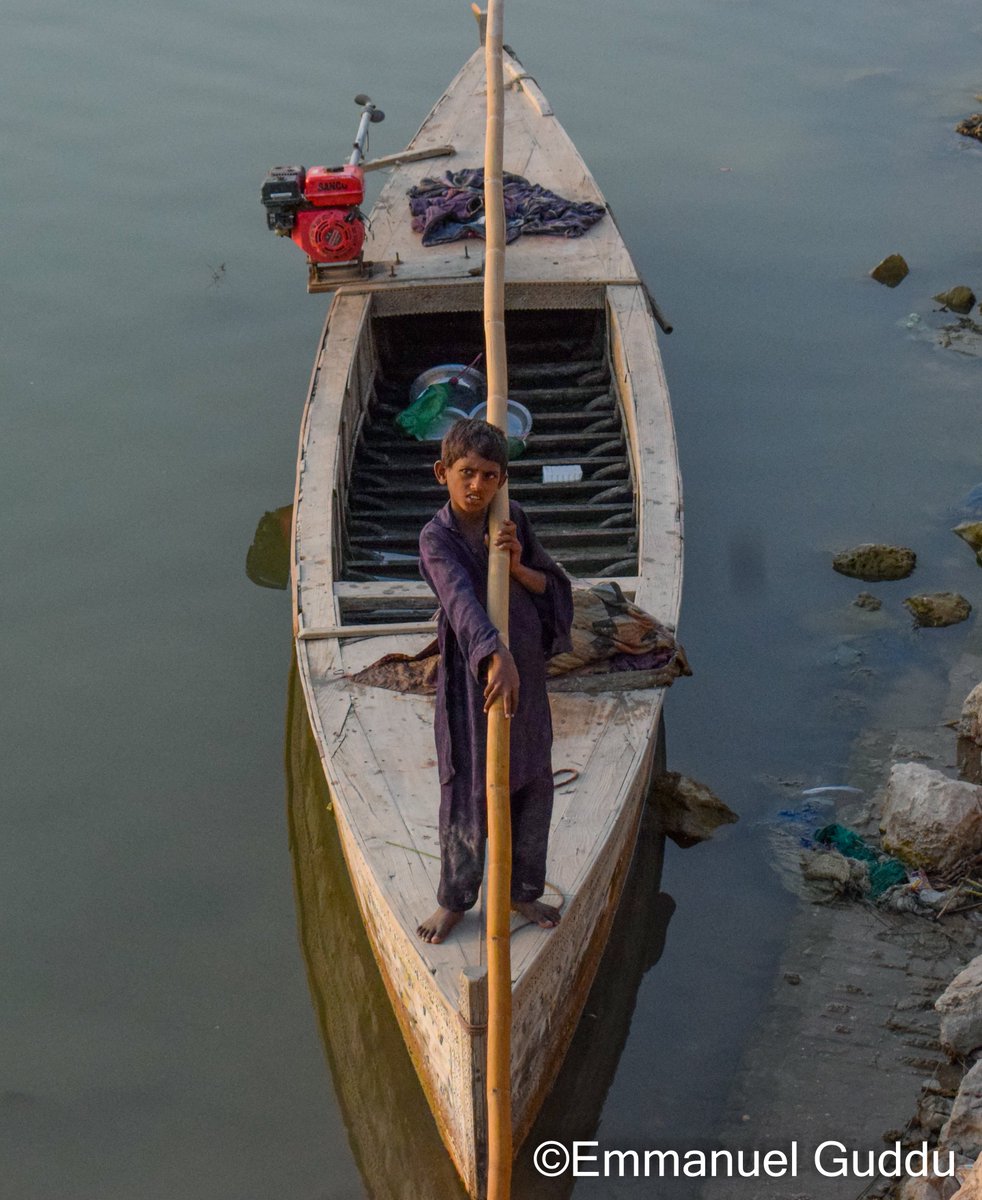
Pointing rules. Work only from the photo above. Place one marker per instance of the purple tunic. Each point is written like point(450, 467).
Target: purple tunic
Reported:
point(538, 628)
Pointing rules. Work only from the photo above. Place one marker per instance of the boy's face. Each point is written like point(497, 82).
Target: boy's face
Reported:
point(472, 482)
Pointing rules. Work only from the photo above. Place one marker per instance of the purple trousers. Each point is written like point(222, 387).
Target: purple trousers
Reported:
point(463, 833)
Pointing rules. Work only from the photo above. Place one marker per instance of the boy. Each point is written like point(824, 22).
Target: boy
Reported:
point(476, 668)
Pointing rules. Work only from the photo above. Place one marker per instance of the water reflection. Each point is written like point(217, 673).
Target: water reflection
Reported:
point(573, 1108)
point(268, 557)
point(392, 1135)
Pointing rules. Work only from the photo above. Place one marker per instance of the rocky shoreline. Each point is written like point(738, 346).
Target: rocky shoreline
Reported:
point(872, 1036)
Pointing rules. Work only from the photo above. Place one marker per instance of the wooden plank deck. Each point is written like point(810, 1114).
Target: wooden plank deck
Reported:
point(536, 146)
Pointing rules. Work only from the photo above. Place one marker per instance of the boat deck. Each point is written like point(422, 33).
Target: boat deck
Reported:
point(537, 147)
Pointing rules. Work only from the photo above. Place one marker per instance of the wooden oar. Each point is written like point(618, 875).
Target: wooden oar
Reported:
point(499, 805)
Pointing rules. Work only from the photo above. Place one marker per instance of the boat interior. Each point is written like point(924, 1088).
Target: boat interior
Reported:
point(559, 369)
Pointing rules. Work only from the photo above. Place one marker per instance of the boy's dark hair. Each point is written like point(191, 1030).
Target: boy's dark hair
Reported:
point(471, 436)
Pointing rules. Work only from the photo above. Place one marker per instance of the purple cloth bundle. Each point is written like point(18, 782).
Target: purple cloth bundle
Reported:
point(450, 208)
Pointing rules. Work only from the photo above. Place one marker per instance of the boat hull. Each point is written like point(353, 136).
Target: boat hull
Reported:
point(390, 1127)
point(583, 346)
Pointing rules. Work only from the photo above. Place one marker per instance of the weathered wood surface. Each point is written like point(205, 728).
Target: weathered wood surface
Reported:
point(397, 160)
point(640, 379)
point(536, 146)
point(361, 631)
point(377, 746)
point(382, 590)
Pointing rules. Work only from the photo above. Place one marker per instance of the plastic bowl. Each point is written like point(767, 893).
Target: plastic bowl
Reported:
point(518, 419)
point(442, 424)
point(470, 384)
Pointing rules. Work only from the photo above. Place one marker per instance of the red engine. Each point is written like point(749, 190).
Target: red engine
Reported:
point(319, 208)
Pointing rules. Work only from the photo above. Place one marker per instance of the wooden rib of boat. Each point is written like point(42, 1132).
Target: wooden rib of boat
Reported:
point(583, 357)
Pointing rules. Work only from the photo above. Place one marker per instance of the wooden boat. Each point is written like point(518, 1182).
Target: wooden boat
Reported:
point(390, 1129)
point(583, 357)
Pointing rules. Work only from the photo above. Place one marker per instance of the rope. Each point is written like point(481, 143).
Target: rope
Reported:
point(561, 783)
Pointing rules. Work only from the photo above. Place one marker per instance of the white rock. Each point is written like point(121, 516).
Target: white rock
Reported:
point(971, 1189)
point(929, 820)
point(932, 1188)
point(963, 1132)
point(970, 725)
point(960, 1008)
point(919, 1189)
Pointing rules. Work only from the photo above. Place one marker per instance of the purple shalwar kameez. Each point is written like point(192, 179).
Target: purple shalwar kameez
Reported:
point(538, 628)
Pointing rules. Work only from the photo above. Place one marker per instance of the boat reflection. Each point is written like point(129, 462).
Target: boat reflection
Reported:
point(268, 556)
point(392, 1134)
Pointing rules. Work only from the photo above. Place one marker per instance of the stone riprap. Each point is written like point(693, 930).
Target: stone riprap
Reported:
point(963, 1132)
point(874, 561)
point(957, 299)
point(893, 270)
point(688, 812)
point(935, 610)
point(971, 532)
point(970, 722)
point(929, 820)
point(960, 1009)
point(971, 1189)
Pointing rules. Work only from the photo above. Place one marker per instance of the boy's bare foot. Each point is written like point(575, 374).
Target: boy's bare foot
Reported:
point(434, 929)
point(543, 915)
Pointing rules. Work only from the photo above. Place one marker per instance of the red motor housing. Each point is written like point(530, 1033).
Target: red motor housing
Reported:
point(329, 235)
point(343, 186)
point(333, 230)
point(319, 209)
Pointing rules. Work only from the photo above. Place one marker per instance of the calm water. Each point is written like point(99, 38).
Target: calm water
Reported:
point(158, 1033)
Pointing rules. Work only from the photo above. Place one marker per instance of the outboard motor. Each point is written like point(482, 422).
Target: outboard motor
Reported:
point(318, 207)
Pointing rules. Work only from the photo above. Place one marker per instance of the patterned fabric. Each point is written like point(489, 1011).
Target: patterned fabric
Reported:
point(608, 629)
point(608, 634)
point(444, 210)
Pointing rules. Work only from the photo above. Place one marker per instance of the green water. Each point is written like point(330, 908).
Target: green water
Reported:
point(158, 1034)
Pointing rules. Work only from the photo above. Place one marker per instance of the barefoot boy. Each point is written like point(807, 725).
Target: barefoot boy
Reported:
point(476, 668)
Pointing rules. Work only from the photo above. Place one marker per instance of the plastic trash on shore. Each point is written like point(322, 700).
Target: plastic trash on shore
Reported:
point(834, 876)
point(883, 871)
point(790, 834)
point(824, 860)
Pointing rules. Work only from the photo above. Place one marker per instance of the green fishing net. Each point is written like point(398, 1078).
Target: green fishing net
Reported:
point(884, 872)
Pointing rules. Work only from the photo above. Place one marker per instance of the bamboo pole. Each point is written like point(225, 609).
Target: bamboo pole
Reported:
point(498, 750)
